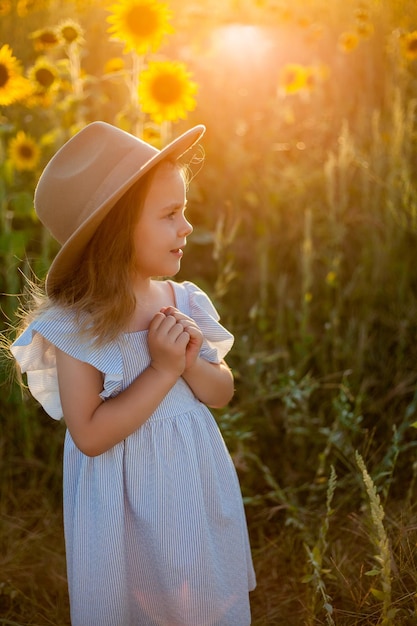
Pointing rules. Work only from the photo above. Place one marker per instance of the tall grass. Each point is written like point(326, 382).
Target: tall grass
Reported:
point(382, 556)
point(306, 238)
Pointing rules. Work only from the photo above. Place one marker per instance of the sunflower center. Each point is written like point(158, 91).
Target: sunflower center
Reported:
point(142, 21)
point(290, 77)
point(4, 76)
point(45, 77)
point(69, 34)
point(48, 38)
point(166, 89)
point(412, 45)
point(25, 152)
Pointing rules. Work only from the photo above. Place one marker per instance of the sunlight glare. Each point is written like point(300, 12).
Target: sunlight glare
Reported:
point(241, 43)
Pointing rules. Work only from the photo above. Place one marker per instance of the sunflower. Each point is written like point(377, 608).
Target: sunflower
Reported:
point(166, 91)
point(293, 78)
point(44, 38)
point(70, 32)
point(24, 153)
point(152, 134)
point(331, 278)
point(13, 86)
point(141, 24)
point(44, 76)
point(409, 45)
point(365, 30)
point(24, 7)
point(348, 41)
point(5, 7)
point(114, 65)
point(362, 14)
point(315, 75)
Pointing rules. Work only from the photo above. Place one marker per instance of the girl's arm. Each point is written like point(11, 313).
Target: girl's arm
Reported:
point(212, 383)
point(97, 426)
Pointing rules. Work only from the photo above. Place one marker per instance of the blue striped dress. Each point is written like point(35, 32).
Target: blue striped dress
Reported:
point(155, 528)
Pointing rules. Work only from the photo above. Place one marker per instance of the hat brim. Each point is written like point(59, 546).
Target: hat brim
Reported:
point(72, 249)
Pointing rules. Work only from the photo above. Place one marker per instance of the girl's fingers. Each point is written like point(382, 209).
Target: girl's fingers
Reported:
point(189, 325)
point(169, 310)
point(168, 327)
point(156, 321)
point(179, 316)
point(183, 340)
point(176, 331)
point(162, 323)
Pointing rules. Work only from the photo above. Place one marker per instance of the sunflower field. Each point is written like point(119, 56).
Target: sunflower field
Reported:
point(304, 205)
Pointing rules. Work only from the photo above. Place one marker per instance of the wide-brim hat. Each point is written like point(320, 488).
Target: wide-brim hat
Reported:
point(85, 179)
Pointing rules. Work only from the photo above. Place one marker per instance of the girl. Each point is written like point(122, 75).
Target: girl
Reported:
point(154, 523)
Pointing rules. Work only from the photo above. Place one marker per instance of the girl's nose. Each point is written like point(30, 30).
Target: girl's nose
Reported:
point(185, 228)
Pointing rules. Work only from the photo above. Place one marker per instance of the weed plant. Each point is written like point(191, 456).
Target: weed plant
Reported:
point(305, 216)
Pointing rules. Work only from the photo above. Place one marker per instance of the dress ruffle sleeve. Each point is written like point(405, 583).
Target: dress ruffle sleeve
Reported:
point(35, 352)
point(217, 340)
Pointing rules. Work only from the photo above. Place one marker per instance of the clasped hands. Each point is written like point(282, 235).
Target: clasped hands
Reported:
point(174, 341)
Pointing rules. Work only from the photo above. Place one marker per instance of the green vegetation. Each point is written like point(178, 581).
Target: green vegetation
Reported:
point(305, 215)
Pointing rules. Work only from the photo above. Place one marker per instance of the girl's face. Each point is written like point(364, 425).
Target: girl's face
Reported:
point(161, 231)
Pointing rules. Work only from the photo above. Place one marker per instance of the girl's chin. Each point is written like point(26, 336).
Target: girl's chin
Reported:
point(173, 271)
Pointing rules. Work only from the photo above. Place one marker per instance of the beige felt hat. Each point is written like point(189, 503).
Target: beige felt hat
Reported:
point(84, 180)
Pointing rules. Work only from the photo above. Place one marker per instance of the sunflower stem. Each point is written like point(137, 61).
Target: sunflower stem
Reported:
point(137, 117)
point(166, 128)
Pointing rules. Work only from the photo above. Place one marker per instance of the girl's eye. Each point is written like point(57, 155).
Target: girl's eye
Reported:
point(172, 214)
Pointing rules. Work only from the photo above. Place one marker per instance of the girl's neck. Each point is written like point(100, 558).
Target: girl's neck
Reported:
point(151, 295)
point(143, 288)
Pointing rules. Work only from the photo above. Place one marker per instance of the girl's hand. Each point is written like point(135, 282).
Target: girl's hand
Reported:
point(168, 341)
point(195, 335)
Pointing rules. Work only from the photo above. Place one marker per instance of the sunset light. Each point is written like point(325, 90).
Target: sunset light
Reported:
point(293, 213)
point(240, 43)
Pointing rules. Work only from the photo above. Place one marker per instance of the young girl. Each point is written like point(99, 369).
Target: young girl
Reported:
point(155, 528)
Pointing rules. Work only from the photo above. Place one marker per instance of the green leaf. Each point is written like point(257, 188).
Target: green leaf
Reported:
point(22, 204)
point(307, 578)
point(372, 572)
point(13, 243)
point(378, 593)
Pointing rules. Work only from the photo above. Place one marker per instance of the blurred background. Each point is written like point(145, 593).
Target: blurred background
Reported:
point(304, 204)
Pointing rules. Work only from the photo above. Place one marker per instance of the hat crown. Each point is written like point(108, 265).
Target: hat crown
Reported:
point(85, 171)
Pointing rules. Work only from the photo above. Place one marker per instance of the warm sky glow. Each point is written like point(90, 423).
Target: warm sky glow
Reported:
point(241, 42)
